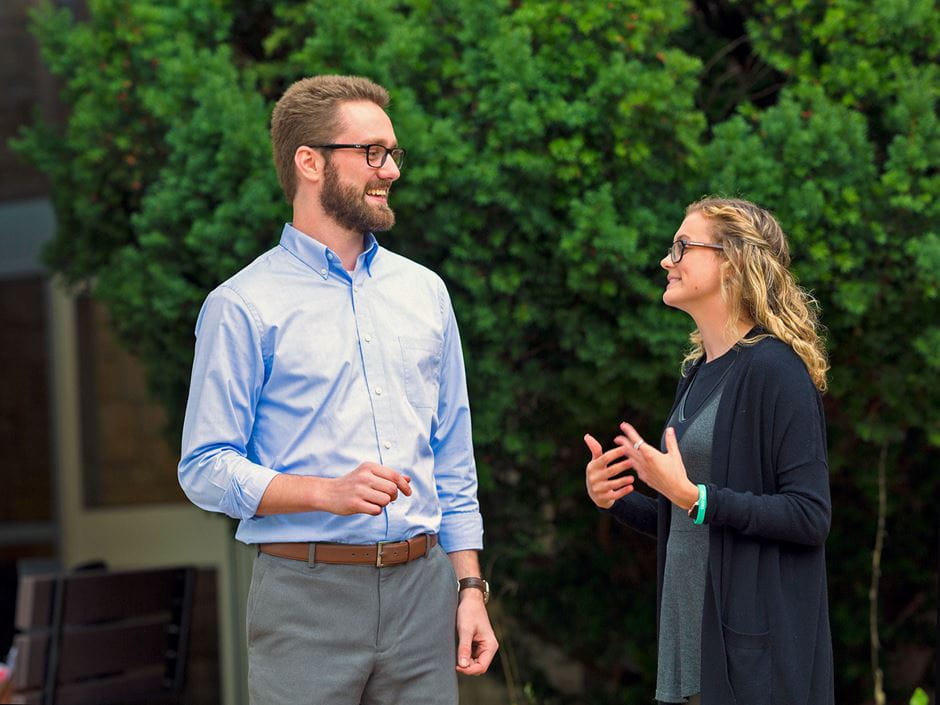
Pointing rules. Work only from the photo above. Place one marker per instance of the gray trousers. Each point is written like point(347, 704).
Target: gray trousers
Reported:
point(352, 634)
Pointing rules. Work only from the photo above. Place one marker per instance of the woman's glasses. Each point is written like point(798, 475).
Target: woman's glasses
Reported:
point(678, 248)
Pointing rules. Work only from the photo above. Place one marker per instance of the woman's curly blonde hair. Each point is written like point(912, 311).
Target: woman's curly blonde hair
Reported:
point(758, 284)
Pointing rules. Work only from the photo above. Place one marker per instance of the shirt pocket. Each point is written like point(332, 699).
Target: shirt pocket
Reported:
point(421, 366)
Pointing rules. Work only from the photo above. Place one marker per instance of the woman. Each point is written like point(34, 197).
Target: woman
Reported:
point(742, 506)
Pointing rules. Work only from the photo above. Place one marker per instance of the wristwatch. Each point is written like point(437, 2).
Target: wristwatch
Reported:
point(478, 583)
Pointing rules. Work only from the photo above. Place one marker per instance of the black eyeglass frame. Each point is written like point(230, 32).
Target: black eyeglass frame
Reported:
point(397, 153)
point(683, 245)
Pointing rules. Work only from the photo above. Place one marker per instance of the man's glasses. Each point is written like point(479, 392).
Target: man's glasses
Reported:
point(678, 248)
point(376, 154)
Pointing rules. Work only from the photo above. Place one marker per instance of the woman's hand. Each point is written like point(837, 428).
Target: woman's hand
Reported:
point(602, 487)
point(664, 472)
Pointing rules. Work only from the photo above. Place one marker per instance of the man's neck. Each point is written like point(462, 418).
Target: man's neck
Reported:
point(347, 244)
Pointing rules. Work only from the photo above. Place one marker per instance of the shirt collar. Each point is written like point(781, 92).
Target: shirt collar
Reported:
point(321, 258)
point(370, 251)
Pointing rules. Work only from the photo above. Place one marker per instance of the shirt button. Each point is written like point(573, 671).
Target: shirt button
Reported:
point(378, 391)
point(323, 271)
point(368, 338)
point(329, 255)
point(355, 288)
point(387, 445)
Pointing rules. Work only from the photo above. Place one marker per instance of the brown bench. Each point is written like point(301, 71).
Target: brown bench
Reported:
point(102, 637)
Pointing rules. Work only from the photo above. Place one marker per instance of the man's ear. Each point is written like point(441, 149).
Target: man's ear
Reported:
point(309, 164)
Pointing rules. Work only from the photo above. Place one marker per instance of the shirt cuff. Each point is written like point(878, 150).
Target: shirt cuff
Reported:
point(462, 532)
point(248, 485)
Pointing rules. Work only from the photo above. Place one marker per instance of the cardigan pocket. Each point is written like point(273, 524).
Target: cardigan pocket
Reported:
point(750, 666)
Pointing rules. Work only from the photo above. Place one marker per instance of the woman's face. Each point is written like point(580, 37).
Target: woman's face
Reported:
point(694, 283)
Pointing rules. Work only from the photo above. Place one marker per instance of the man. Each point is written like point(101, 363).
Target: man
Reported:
point(328, 412)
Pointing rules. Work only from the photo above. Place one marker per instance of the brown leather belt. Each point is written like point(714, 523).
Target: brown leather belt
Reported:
point(378, 554)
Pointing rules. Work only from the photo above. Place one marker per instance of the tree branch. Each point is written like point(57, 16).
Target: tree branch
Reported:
point(875, 578)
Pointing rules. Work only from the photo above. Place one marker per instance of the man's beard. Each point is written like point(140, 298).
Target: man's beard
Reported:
point(347, 205)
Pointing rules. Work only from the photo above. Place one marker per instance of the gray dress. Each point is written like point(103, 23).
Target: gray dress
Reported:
point(678, 672)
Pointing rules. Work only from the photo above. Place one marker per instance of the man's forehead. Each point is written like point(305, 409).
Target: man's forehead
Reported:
point(366, 121)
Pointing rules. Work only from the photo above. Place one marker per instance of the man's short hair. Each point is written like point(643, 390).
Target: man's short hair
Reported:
point(308, 113)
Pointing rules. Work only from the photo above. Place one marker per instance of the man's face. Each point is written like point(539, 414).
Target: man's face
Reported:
point(355, 194)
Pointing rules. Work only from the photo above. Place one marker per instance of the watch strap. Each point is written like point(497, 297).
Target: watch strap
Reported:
point(474, 582)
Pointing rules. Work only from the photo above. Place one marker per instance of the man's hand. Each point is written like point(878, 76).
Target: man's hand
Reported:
point(476, 642)
point(365, 490)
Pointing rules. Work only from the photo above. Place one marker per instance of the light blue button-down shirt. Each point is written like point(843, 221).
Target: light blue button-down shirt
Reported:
point(304, 368)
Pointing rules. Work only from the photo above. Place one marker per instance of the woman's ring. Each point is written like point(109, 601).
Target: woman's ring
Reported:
point(636, 446)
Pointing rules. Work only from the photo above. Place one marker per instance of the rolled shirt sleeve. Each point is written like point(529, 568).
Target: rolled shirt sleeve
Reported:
point(454, 466)
point(215, 470)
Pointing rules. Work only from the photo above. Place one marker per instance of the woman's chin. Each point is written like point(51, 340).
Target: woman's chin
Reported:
point(669, 298)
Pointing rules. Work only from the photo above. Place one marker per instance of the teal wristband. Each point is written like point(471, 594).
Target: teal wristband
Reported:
point(702, 504)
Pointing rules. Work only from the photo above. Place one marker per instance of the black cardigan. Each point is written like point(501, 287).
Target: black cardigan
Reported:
point(765, 622)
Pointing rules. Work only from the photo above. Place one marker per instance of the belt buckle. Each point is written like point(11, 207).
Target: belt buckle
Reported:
point(378, 553)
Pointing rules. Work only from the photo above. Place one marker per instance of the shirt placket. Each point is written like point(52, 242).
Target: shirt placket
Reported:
point(377, 358)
